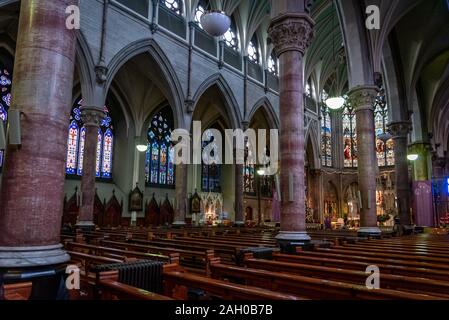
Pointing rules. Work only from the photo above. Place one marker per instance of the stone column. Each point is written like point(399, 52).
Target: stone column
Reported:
point(291, 34)
point(33, 177)
point(91, 117)
point(400, 131)
point(362, 100)
point(239, 193)
point(181, 195)
point(422, 186)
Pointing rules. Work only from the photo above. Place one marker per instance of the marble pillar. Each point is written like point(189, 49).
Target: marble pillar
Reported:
point(181, 195)
point(362, 100)
point(399, 132)
point(91, 117)
point(33, 178)
point(291, 34)
point(422, 185)
point(239, 193)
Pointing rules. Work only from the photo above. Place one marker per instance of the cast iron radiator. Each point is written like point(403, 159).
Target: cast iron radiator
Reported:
point(143, 274)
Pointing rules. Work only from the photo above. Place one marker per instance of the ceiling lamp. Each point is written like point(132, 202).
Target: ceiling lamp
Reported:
point(412, 157)
point(142, 147)
point(261, 172)
point(335, 103)
point(215, 23)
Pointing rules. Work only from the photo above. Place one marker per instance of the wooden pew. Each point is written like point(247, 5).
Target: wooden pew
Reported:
point(176, 282)
point(358, 277)
point(17, 291)
point(309, 287)
point(110, 289)
point(350, 264)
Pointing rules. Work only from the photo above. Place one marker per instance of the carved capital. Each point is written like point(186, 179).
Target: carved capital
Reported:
point(363, 98)
point(92, 116)
point(291, 32)
point(399, 129)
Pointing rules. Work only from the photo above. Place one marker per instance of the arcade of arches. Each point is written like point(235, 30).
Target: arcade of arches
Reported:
point(97, 112)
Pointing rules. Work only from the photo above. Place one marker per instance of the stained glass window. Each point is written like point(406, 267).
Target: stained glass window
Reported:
point(349, 136)
point(200, 10)
point(384, 149)
point(326, 137)
point(272, 65)
point(211, 173)
point(160, 156)
point(174, 5)
point(249, 172)
point(76, 140)
point(253, 50)
point(5, 99)
point(230, 36)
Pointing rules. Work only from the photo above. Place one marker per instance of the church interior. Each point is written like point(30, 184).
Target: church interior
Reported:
point(349, 102)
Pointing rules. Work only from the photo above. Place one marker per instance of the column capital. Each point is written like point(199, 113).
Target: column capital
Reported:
point(291, 32)
point(363, 97)
point(92, 116)
point(399, 129)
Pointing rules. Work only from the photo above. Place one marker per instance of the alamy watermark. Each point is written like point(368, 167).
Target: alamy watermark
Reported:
point(373, 280)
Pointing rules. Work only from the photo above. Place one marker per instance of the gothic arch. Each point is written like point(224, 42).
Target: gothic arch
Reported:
point(232, 107)
point(175, 96)
point(85, 65)
point(312, 138)
point(266, 106)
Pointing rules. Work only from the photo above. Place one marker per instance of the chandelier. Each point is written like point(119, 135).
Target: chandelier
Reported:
point(215, 23)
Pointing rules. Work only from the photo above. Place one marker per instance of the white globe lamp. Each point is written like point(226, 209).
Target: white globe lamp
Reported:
point(215, 23)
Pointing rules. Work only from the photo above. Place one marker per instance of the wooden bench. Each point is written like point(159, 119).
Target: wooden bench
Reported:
point(387, 281)
point(309, 287)
point(312, 258)
point(110, 289)
point(176, 282)
point(17, 291)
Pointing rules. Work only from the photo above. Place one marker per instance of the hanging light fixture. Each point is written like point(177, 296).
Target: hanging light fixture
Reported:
point(385, 136)
point(215, 22)
point(335, 103)
point(142, 147)
point(412, 157)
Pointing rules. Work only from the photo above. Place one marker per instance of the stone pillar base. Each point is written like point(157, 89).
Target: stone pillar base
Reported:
point(178, 224)
point(366, 232)
point(85, 226)
point(288, 241)
point(26, 257)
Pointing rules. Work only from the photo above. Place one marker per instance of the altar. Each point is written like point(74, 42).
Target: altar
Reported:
point(212, 213)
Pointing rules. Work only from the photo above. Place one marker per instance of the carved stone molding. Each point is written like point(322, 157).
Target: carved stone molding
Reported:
point(291, 32)
point(363, 98)
point(101, 72)
point(399, 129)
point(92, 116)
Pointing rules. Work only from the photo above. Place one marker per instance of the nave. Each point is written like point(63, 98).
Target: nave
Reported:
point(209, 264)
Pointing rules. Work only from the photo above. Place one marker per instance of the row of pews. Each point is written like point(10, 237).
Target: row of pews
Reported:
point(245, 264)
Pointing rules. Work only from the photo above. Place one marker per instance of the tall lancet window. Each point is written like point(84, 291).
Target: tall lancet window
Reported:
point(384, 148)
point(326, 137)
point(249, 171)
point(230, 37)
point(5, 100)
point(253, 50)
point(273, 64)
point(211, 172)
point(160, 156)
point(349, 136)
point(76, 140)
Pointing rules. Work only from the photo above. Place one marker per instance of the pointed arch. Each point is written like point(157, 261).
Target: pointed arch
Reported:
point(175, 93)
point(232, 107)
point(85, 65)
point(312, 138)
point(267, 107)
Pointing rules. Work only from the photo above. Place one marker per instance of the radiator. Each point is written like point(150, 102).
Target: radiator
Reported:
point(143, 274)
